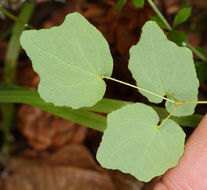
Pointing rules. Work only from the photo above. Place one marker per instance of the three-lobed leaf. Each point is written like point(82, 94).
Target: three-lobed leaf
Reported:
point(70, 60)
point(133, 144)
point(182, 16)
point(162, 67)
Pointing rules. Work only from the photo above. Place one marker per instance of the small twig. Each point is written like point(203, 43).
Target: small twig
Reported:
point(159, 14)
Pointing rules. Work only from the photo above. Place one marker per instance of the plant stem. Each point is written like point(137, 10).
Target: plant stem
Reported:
point(15, 18)
point(165, 22)
point(168, 117)
point(196, 52)
point(141, 89)
point(177, 103)
point(193, 102)
point(159, 14)
point(8, 113)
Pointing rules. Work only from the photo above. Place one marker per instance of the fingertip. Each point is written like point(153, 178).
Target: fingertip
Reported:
point(160, 186)
point(197, 140)
point(191, 171)
point(205, 119)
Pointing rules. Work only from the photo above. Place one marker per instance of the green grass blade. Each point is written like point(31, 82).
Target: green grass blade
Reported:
point(15, 94)
point(83, 117)
point(10, 67)
point(107, 105)
point(14, 44)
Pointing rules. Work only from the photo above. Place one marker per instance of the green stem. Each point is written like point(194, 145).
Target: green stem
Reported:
point(15, 18)
point(191, 102)
point(141, 89)
point(176, 103)
point(168, 117)
point(7, 120)
point(12, 56)
point(196, 52)
point(159, 14)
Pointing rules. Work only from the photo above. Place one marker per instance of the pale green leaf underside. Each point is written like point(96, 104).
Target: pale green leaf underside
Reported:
point(70, 60)
point(162, 67)
point(133, 144)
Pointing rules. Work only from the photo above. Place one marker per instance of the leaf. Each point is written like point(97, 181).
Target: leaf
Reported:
point(70, 60)
point(158, 21)
point(198, 64)
point(120, 4)
point(178, 37)
point(159, 65)
point(14, 94)
point(133, 144)
point(202, 73)
point(182, 16)
point(138, 3)
point(69, 168)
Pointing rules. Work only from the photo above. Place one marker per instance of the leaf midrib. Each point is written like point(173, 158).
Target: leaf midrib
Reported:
point(67, 63)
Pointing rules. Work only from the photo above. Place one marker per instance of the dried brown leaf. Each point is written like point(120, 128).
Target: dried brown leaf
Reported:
point(44, 177)
point(44, 130)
